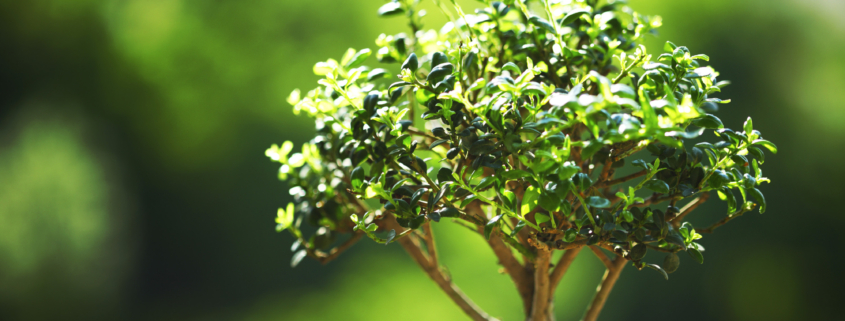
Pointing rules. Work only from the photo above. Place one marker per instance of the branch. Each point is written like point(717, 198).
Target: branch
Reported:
point(541, 286)
point(519, 274)
point(561, 268)
point(603, 257)
point(413, 248)
point(429, 243)
point(602, 292)
point(621, 179)
point(324, 257)
point(655, 200)
point(689, 208)
point(725, 220)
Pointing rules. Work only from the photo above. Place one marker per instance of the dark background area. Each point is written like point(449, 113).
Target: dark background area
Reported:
point(133, 183)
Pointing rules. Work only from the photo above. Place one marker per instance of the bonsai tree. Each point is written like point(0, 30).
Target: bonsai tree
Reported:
point(541, 126)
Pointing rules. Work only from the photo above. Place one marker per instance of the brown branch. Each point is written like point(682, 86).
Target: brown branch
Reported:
point(520, 275)
point(689, 208)
point(603, 257)
point(561, 268)
point(621, 179)
point(324, 257)
point(602, 292)
point(655, 200)
point(724, 220)
point(541, 286)
point(412, 246)
point(429, 243)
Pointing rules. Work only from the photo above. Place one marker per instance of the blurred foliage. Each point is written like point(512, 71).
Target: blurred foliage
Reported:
point(61, 241)
point(180, 97)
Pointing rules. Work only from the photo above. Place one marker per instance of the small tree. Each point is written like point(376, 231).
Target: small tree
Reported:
point(513, 122)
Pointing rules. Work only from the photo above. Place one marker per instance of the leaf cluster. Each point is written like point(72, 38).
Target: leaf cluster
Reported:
point(514, 120)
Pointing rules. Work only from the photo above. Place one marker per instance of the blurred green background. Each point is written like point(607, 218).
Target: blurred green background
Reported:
point(133, 184)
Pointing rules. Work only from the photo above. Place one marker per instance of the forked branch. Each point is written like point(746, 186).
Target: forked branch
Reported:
point(602, 292)
point(412, 246)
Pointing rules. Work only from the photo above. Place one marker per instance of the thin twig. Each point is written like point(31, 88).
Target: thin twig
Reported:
point(560, 269)
point(689, 208)
point(602, 292)
point(724, 220)
point(603, 257)
point(621, 179)
point(413, 248)
point(654, 199)
point(324, 257)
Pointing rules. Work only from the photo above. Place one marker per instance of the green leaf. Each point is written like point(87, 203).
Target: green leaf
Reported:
point(567, 170)
point(749, 127)
point(696, 255)
point(390, 9)
point(657, 186)
point(411, 63)
point(438, 58)
point(543, 23)
point(570, 235)
point(359, 58)
point(486, 182)
point(515, 174)
point(509, 199)
point(598, 202)
point(658, 269)
point(767, 144)
point(719, 179)
point(549, 201)
point(439, 72)
point(669, 46)
point(541, 218)
point(357, 176)
point(529, 200)
point(297, 258)
point(390, 236)
point(708, 121)
point(638, 252)
point(488, 228)
point(444, 175)
point(510, 66)
point(574, 15)
point(671, 263)
point(449, 212)
point(757, 195)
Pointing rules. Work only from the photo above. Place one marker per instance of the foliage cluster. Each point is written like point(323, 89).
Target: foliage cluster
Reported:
point(514, 121)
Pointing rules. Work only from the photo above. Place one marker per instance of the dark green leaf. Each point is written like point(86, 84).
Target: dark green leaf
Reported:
point(357, 177)
point(515, 174)
point(767, 144)
point(411, 63)
point(657, 186)
point(598, 202)
point(574, 15)
point(542, 23)
point(490, 225)
point(658, 269)
point(390, 236)
point(757, 195)
point(696, 255)
point(709, 121)
point(671, 263)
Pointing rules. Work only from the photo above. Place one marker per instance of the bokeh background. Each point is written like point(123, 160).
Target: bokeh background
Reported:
point(133, 184)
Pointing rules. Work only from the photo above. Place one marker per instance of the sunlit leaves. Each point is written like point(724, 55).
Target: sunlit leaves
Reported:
point(504, 117)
